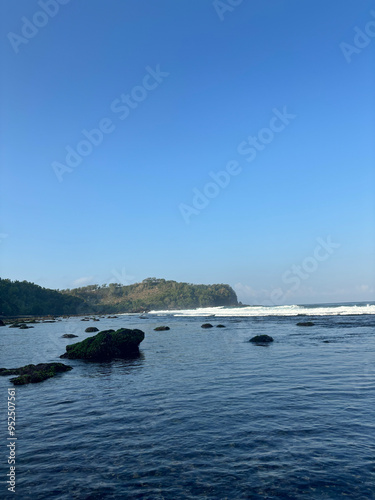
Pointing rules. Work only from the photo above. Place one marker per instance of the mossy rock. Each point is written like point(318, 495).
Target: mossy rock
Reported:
point(32, 374)
point(91, 329)
point(106, 345)
point(207, 325)
point(305, 323)
point(261, 339)
point(161, 328)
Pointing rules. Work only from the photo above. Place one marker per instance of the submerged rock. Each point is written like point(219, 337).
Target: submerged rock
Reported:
point(261, 339)
point(31, 374)
point(68, 336)
point(207, 325)
point(106, 345)
point(305, 323)
point(91, 329)
point(161, 328)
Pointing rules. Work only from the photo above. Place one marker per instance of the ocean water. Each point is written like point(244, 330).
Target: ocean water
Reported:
point(201, 414)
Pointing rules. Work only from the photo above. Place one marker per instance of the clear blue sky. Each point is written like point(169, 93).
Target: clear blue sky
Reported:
point(221, 73)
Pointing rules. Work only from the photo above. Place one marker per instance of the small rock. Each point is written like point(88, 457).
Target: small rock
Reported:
point(207, 325)
point(68, 336)
point(220, 326)
point(305, 323)
point(91, 329)
point(2, 322)
point(21, 326)
point(161, 328)
point(261, 339)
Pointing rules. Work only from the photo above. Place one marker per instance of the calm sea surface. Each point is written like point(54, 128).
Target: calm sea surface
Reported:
point(202, 414)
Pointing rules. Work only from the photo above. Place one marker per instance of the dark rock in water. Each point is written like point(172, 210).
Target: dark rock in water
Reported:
point(49, 321)
point(2, 322)
point(261, 339)
point(220, 326)
point(326, 341)
point(91, 329)
point(207, 325)
point(161, 328)
point(31, 374)
point(85, 319)
point(21, 326)
point(106, 345)
point(68, 336)
point(112, 317)
point(305, 323)
point(96, 319)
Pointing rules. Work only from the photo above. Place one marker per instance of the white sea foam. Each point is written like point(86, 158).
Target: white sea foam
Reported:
point(293, 310)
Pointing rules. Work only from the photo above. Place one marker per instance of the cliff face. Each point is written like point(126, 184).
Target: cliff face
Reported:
point(154, 293)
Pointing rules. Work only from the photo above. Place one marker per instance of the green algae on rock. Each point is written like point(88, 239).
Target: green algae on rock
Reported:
point(31, 374)
point(106, 345)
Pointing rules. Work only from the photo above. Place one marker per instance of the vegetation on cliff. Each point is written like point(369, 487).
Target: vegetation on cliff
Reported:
point(153, 293)
point(21, 298)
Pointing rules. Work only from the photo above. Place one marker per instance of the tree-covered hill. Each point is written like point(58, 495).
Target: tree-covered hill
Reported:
point(155, 294)
point(20, 298)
